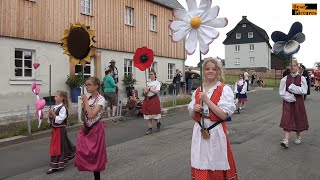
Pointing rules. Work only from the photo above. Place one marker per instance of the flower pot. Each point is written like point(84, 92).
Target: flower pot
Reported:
point(75, 92)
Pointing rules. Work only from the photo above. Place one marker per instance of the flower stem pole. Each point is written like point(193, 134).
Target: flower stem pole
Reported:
point(201, 86)
point(82, 74)
point(145, 75)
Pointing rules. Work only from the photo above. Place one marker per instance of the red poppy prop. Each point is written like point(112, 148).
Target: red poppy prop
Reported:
point(143, 58)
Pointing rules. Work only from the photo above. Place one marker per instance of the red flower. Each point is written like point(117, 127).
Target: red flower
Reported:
point(143, 58)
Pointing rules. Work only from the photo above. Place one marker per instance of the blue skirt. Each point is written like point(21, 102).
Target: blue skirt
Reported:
point(241, 97)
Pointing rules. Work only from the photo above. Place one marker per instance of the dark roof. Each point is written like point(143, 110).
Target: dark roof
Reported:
point(172, 4)
point(250, 27)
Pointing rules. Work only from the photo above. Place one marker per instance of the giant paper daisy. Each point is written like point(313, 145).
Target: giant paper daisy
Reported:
point(77, 43)
point(199, 22)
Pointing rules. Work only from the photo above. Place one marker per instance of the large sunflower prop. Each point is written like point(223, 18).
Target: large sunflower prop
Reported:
point(77, 43)
point(143, 58)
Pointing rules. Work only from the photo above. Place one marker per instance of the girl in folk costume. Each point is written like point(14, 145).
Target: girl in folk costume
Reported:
point(240, 89)
point(294, 116)
point(91, 152)
point(61, 148)
point(151, 104)
point(211, 155)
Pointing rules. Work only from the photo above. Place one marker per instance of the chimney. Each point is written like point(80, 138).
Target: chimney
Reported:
point(244, 17)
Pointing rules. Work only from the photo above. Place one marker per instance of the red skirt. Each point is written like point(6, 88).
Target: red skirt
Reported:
point(91, 152)
point(230, 174)
point(294, 116)
point(151, 105)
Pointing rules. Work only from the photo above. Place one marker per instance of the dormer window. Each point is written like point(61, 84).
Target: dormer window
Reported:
point(244, 25)
point(250, 34)
point(238, 36)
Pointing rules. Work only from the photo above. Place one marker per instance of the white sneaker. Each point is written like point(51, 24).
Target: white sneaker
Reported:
point(298, 140)
point(285, 143)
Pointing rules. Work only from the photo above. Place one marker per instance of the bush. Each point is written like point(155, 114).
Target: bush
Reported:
point(75, 81)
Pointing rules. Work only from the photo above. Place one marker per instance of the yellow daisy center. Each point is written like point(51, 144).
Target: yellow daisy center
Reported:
point(195, 22)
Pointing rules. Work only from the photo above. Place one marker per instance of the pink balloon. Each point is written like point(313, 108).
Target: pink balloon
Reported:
point(40, 104)
point(39, 113)
point(37, 90)
point(33, 86)
point(36, 65)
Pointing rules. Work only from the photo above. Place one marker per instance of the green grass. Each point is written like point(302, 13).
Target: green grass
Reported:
point(180, 101)
point(231, 79)
point(22, 128)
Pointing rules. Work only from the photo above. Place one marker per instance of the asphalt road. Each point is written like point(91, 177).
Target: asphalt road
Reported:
point(254, 134)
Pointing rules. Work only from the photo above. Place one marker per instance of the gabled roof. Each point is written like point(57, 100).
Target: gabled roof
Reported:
point(172, 4)
point(261, 32)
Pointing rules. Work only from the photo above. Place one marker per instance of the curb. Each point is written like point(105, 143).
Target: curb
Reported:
point(47, 133)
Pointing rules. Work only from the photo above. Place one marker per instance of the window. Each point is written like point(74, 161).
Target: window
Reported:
point(237, 61)
point(23, 63)
point(153, 22)
point(237, 48)
point(88, 70)
point(250, 34)
point(129, 16)
point(244, 25)
point(171, 68)
point(170, 31)
point(251, 47)
point(128, 67)
point(251, 60)
point(154, 67)
point(86, 7)
point(238, 36)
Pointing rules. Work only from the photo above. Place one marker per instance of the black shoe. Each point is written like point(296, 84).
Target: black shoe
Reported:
point(149, 131)
point(158, 126)
point(50, 171)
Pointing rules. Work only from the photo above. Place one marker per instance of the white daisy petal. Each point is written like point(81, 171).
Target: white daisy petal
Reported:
point(176, 25)
point(192, 5)
point(217, 23)
point(181, 34)
point(208, 34)
point(191, 42)
point(181, 14)
point(210, 14)
point(204, 5)
point(204, 48)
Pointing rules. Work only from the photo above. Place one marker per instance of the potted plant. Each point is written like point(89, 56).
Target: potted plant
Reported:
point(74, 82)
point(128, 81)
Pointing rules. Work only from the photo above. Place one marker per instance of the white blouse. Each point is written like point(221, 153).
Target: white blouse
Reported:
point(240, 83)
point(93, 103)
point(62, 114)
point(153, 85)
point(226, 102)
point(289, 96)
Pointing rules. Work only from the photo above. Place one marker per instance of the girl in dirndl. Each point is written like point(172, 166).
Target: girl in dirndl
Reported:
point(151, 104)
point(294, 116)
point(211, 155)
point(91, 152)
point(240, 89)
point(61, 148)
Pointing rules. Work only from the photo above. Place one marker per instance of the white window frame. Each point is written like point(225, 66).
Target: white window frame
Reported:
point(154, 66)
point(153, 23)
point(86, 7)
point(237, 61)
point(244, 25)
point(171, 70)
point(23, 67)
point(129, 16)
point(251, 47)
point(250, 34)
point(91, 65)
point(237, 48)
point(127, 64)
point(238, 35)
point(251, 60)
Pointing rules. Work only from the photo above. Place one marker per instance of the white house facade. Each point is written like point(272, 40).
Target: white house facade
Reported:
point(247, 46)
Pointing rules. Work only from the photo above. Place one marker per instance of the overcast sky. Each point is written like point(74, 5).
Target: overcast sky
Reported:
point(271, 15)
